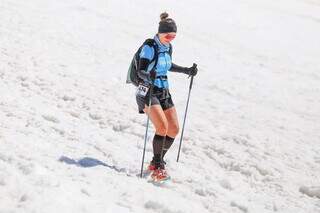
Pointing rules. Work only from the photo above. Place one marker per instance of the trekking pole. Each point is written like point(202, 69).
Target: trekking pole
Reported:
point(185, 115)
point(147, 127)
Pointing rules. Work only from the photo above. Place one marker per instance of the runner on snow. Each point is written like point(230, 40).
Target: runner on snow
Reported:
point(148, 71)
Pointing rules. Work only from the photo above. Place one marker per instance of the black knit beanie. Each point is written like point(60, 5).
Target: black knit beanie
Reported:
point(166, 25)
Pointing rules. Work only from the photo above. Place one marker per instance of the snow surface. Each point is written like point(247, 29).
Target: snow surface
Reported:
point(70, 136)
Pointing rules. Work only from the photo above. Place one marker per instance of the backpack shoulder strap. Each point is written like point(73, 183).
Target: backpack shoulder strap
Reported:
point(152, 43)
point(170, 50)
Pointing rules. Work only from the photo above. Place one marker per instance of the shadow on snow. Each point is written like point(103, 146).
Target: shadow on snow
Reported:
point(88, 162)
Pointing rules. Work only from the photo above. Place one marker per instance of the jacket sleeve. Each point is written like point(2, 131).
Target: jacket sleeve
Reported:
point(143, 69)
point(180, 69)
point(146, 56)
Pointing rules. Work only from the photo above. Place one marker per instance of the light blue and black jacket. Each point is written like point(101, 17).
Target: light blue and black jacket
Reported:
point(163, 64)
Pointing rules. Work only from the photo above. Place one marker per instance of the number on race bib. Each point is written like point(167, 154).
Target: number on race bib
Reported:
point(142, 90)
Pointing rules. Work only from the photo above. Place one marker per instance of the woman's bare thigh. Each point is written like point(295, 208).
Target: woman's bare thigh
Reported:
point(158, 118)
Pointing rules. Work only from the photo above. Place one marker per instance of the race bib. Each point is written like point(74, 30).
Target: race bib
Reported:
point(142, 90)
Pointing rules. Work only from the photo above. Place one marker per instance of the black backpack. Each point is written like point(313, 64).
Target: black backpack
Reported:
point(132, 76)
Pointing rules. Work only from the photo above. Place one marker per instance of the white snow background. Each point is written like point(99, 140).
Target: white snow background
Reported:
point(71, 139)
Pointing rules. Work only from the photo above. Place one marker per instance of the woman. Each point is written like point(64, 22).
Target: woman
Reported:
point(162, 112)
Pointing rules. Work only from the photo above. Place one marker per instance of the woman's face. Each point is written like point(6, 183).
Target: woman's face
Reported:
point(166, 38)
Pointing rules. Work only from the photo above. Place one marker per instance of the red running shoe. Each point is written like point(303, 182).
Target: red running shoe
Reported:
point(160, 175)
point(151, 167)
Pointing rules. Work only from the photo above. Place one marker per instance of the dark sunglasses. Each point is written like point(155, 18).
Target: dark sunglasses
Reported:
point(170, 36)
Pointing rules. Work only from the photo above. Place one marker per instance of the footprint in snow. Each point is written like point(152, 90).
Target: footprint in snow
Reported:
point(313, 191)
point(84, 191)
point(120, 127)
point(23, 198)
point(2, 182)
point(26, 169)
point(74, 114)
point(201, 192)
point(156, 207)
point(241, 207)
point(51, 118)
point(224, 183)
point(68, 98)
point(94, 116)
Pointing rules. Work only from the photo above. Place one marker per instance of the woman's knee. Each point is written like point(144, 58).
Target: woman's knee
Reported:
point(162, 128)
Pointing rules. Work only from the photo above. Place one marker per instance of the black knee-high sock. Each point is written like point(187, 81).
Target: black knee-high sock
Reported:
point(158, 141)
point(167, 144)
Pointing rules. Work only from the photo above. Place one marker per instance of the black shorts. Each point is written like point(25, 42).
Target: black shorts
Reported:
point(160, 97)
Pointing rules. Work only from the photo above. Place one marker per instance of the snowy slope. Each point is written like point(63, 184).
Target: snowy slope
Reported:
point(70, 136)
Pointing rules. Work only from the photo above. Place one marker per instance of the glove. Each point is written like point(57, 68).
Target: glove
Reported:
point(153, 75)
point(192, 71)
